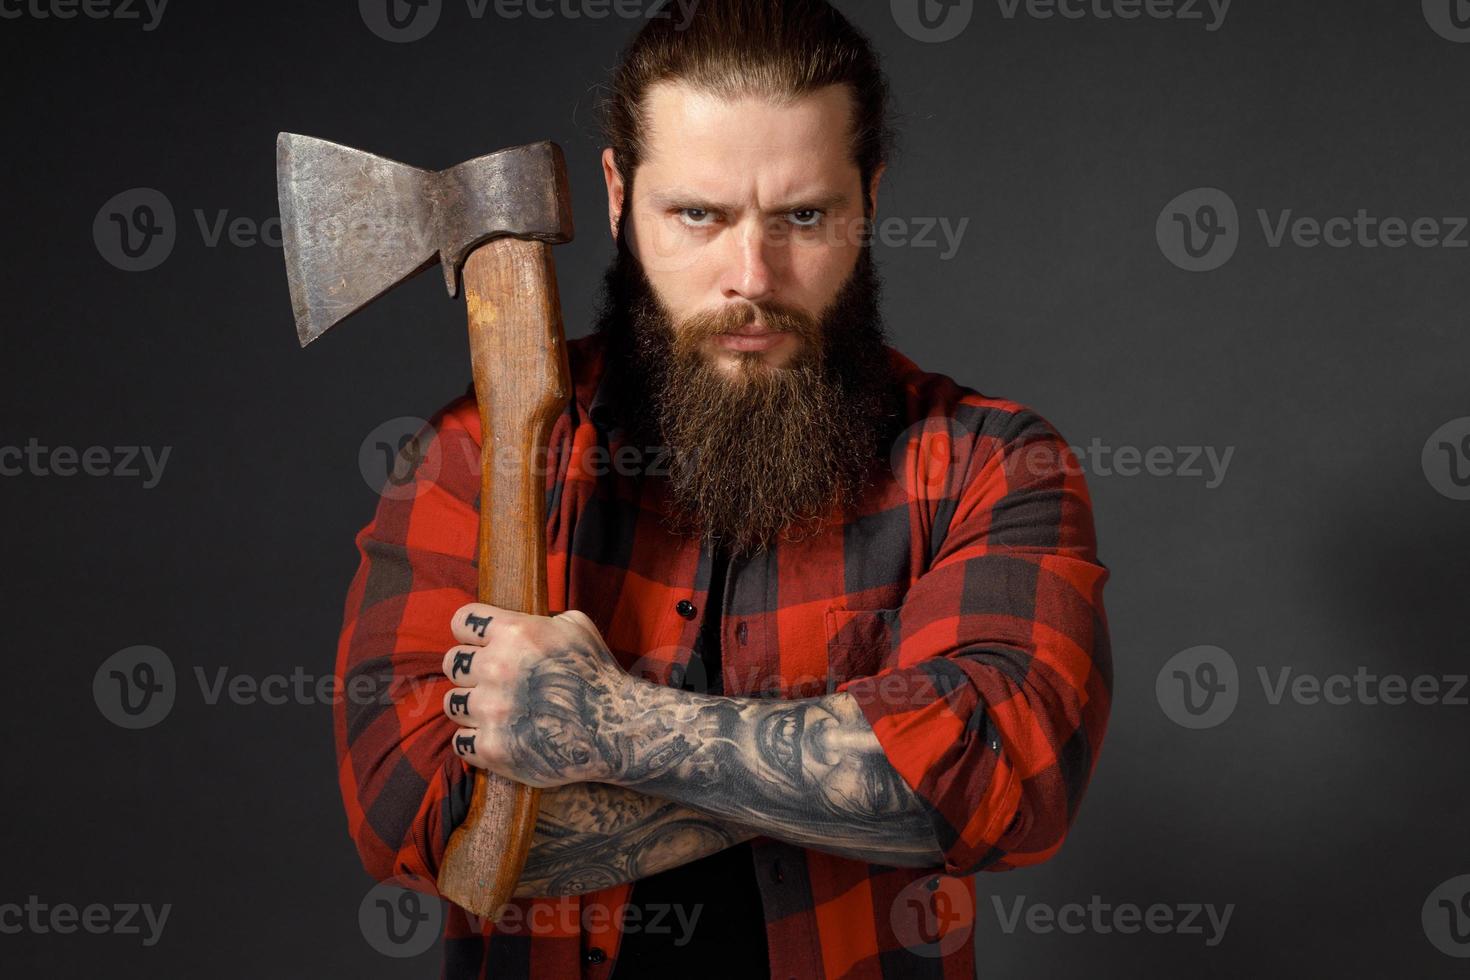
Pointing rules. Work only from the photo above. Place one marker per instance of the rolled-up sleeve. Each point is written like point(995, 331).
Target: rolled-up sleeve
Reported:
point(403, 790)
point(994, 702)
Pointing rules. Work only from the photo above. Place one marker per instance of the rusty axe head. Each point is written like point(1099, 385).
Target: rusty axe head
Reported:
point(355, 225)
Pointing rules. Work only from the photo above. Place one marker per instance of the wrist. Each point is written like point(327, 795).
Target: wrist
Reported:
point(648, 731)
point(615, 726)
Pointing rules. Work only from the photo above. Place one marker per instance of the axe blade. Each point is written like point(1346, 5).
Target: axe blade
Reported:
point(354, 225)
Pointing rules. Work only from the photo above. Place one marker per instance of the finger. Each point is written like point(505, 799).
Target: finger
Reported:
point(457, 707)
point(459, 664)
point(471, 622)
point(466, 745)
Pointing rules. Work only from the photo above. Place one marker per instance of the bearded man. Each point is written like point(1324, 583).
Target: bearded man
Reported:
point(834, 636)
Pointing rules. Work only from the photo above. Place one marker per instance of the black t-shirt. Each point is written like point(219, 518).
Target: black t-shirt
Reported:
point(704, 918)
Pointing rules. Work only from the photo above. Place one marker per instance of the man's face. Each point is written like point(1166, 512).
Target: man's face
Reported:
point(742, 312)
point(745, 218)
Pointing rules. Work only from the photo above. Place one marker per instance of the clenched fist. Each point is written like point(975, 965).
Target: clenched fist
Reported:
point(539, 699)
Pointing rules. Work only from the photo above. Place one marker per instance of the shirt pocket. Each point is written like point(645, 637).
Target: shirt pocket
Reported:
point(859, 642)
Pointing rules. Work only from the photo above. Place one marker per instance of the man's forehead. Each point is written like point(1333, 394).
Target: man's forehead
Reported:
point(693, 135)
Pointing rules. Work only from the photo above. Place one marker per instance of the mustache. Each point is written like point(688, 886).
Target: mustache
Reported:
point(731, 318)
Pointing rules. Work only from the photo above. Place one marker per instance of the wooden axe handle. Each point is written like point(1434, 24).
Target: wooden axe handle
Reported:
point(523, 383)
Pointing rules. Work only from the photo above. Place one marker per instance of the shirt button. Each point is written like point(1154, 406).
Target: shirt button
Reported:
point(740, 631)
point(595, 955)
point(685, 608)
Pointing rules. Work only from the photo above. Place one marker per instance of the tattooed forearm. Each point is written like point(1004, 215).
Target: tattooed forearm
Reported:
point(810, 772)
point(591, 836)
point(541, 700)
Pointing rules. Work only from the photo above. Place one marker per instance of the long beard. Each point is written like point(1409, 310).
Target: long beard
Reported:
point(758, 453)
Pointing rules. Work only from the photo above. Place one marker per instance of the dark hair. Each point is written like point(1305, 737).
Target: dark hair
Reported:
point(778, 49)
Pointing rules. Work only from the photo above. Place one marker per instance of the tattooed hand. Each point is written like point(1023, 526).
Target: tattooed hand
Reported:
point(531, 695)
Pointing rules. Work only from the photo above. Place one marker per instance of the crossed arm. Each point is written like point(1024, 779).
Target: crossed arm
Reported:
point(646, 777)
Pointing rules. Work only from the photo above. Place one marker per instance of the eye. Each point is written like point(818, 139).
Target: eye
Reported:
point(806, 218)
point(696, 217)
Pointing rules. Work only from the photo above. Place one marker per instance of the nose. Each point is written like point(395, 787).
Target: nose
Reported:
point(750, 274)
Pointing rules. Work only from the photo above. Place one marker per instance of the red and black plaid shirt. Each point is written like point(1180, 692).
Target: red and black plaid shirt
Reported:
point(961, 608)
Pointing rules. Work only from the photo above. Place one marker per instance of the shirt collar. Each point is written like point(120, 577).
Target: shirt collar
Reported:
point(603, 410)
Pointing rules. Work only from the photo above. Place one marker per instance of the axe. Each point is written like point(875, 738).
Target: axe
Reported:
point(355, 225)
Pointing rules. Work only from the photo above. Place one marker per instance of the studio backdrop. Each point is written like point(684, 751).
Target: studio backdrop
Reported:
point(1222, 246)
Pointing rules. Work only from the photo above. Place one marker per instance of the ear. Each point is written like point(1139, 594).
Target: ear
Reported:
point(873, 188)
point(615, 189)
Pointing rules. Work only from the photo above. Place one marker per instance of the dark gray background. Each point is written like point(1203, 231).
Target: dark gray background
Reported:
point(1325, 548)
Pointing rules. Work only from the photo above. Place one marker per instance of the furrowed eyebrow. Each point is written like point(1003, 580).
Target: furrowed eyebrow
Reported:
point(672, 200)
point(826, 202)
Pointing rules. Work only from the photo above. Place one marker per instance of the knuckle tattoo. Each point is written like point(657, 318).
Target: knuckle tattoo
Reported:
point(463, 661)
